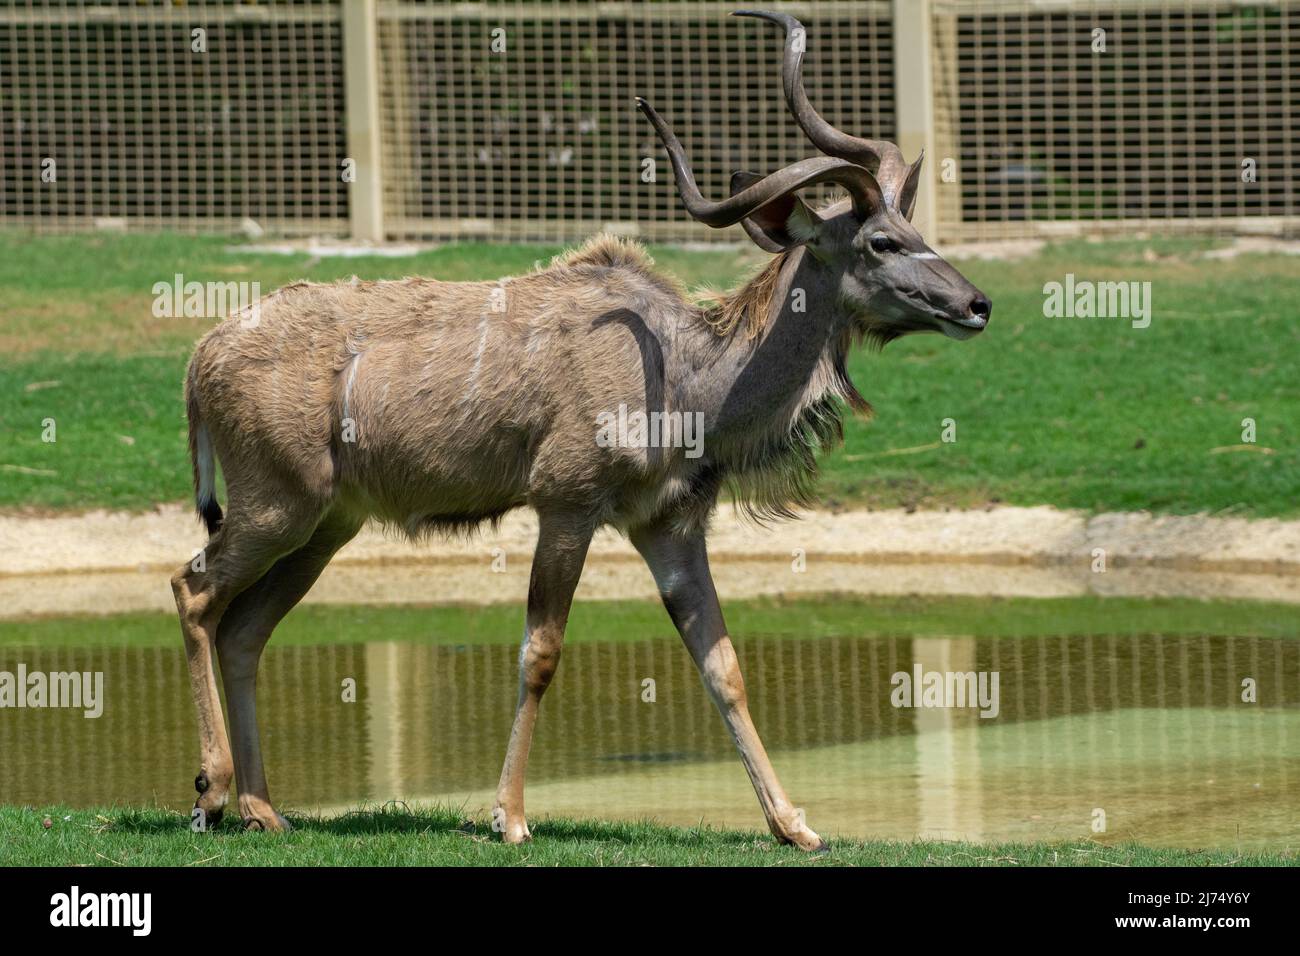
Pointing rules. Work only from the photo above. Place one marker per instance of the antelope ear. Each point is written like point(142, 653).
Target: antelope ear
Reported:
point(911, 184)
point(782, 224)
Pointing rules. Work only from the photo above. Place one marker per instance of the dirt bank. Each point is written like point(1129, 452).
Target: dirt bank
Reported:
point(104, 562)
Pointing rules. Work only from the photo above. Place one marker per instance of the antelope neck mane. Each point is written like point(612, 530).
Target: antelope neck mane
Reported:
point(747, 306)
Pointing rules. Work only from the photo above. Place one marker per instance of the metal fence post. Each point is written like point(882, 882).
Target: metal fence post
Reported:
point(914, 102)
point(361, 104)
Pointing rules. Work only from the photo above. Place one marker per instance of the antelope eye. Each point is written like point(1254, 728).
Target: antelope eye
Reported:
point(883, 244)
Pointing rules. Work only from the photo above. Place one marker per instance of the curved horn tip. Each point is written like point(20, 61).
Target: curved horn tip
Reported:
point(783, 19)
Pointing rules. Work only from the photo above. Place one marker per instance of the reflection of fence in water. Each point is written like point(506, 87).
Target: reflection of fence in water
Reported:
point(435, 718)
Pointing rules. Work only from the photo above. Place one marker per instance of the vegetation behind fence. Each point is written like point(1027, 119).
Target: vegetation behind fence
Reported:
point(398, 118)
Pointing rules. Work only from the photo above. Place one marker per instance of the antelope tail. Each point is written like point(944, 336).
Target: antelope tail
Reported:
point(201, 458)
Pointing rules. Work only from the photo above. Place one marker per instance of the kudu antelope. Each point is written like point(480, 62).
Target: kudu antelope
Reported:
point(436, 406)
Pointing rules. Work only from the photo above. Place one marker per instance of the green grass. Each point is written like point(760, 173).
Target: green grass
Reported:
point(1079, 413)
point(316, 624)
point(443, 837)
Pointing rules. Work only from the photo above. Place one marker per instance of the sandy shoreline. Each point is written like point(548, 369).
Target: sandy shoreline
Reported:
point(107, 562)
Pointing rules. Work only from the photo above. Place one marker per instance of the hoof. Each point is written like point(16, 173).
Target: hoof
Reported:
point(266, 820)
point(513, 828)
point(211, 818)
point(803, 838)
point(268, 826)
point(516, 833)
point(212, 799)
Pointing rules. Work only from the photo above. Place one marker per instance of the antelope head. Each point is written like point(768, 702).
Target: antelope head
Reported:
point(887, 279)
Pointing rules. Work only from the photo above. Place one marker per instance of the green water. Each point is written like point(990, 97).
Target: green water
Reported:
point(1144, 730)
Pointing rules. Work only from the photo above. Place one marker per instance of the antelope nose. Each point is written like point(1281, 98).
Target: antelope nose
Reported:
point(980, 308)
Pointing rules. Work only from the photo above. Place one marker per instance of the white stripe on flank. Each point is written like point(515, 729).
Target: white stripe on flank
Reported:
point(347, 389)
point(478, 358)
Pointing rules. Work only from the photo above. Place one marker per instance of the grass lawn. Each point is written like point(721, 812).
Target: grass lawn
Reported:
point(1082, 413)
point(401, 837)
point(807, 617)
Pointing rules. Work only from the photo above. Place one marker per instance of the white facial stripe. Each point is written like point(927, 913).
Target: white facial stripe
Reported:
point(922, 255)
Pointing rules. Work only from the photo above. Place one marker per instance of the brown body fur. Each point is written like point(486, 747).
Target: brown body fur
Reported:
point(435, 406)
point(460, 412)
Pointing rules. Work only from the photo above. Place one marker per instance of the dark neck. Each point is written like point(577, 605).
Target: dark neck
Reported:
point(775, 360)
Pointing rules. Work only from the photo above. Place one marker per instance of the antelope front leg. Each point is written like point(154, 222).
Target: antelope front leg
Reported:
point(561, 550)
point(681, 569)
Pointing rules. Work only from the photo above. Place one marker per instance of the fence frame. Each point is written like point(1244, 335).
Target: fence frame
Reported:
point(924, 78)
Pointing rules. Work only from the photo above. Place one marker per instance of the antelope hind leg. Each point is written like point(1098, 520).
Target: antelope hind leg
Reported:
point(244, 630)
point(233, 559)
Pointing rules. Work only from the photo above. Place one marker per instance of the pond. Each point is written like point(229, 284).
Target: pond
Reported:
point(1178, 738)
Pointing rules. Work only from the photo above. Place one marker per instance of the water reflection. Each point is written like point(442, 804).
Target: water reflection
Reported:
point(1151, 731)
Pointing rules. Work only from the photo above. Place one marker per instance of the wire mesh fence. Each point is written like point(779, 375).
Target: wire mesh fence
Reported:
point(542, 140)
point(121, 114)
point(515, 120)
point(1109, 115)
